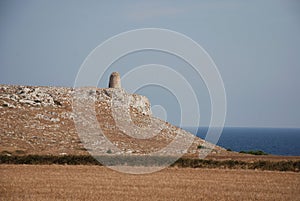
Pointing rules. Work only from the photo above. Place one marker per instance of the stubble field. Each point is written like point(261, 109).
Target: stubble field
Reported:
point(64, 182)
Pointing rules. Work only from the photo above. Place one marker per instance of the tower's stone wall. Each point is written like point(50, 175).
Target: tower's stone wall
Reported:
point(114, 80)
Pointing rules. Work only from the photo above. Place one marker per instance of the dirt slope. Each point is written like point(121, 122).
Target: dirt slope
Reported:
point(40, 120)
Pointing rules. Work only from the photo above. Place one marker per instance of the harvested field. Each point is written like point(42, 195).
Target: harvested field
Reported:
point(58, 182)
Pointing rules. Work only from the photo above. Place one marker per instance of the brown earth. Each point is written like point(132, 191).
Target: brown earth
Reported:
point(40, 120)
point(54, 182)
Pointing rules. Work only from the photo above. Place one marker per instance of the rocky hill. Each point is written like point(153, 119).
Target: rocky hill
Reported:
point(43, 120)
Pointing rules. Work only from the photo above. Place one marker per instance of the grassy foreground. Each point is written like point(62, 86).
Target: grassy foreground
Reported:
point(151, 161)
point(90, 182)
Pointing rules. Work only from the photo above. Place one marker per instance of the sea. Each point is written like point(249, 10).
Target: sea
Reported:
point(277, 141)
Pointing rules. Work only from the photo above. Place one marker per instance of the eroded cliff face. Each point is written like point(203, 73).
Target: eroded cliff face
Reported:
point(40, 120)
point(59, 97)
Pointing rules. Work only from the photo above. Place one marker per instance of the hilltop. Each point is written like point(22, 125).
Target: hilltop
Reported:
point(40, 120)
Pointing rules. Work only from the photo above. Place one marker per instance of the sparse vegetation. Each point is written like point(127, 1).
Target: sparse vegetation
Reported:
point(201, 147)
point(254, 152)
point(151, 161)
point(20, 151)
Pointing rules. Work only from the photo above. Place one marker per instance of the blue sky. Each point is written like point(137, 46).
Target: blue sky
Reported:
point(255, 45)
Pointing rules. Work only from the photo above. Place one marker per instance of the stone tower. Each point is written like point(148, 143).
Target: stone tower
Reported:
point(114, 80)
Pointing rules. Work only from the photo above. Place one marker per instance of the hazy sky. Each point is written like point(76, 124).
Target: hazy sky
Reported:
point(255, 45)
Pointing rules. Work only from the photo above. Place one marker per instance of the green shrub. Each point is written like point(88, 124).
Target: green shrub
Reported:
point(254, 152)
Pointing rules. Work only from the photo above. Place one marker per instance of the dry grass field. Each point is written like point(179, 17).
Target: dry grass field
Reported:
point(58, 182)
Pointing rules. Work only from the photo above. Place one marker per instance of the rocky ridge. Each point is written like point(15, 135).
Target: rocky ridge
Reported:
point(40, 120)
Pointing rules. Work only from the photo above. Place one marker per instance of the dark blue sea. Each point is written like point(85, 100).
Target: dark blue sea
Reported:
point(277, 141)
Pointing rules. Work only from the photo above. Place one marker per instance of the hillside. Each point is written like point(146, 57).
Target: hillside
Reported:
point(40, 120)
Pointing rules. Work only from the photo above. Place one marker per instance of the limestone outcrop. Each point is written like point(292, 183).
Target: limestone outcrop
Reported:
point(40, 120)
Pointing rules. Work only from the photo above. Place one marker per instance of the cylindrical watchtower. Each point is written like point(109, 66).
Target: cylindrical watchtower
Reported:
point(114, 80)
